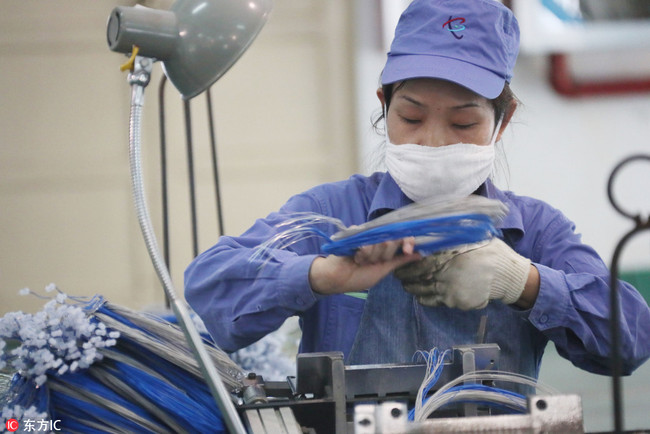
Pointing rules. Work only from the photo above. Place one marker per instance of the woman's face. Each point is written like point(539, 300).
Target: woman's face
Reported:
point(431, 112)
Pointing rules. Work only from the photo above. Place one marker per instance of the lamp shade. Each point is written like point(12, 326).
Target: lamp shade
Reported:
point(197, 41)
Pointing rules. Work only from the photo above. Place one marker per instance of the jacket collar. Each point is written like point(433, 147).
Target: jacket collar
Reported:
point(512, 224)
point(388, 197)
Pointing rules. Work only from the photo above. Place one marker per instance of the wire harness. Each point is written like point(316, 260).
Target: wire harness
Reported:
point(435, 226)
point(468, 388)
point(99, 367)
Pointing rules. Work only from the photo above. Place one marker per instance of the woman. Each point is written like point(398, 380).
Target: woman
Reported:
point(446, 98)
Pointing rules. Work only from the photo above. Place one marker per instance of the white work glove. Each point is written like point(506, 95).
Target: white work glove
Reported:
point(467, 277)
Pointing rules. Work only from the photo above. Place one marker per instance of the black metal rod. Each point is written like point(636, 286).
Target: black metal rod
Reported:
point(614, 318)
point(610, 187)
point(190, 171)
point(617, 362)
point(615, 326)
point(163, 175)
point(215, 166)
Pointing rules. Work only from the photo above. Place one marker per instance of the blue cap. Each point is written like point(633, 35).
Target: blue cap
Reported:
point(470, 42)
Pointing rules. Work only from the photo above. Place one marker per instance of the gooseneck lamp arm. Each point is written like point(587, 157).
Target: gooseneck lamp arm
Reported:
point(197, 41)
point(138, 79)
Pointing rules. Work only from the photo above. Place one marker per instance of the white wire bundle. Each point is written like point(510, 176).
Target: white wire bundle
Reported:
point(21, 413)
point(60, 338)
point(299, 226)
point(474, 392)
point(435, 362)
point(472, 204)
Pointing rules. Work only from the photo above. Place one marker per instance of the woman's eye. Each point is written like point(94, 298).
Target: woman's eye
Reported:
point(410, 120)
point(464, 126)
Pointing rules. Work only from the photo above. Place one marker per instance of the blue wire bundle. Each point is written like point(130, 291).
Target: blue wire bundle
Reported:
point(435, 226)
point(441, 233)
point(96, 367)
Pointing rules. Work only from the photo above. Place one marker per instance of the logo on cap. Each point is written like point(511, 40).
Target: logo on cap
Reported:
point(455, 25)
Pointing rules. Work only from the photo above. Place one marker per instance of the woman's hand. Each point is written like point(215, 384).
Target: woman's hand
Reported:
point(471, 276)
point(338, 274)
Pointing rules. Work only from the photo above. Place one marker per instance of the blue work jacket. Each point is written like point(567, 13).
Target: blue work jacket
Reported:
point(240, 301)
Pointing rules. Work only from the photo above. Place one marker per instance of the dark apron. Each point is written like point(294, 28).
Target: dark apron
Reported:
point(394, 327)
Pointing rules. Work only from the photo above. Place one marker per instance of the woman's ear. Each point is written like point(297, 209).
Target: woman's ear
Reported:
point(382, 97)
point(506, 118)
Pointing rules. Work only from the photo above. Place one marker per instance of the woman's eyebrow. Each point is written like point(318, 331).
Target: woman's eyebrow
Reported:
point(411, 100)
point(464, 106)
point(417, 103)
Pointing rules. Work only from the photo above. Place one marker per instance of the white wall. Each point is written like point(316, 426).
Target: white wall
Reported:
point(563, 150)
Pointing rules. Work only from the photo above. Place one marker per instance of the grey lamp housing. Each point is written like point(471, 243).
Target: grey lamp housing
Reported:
point(197, 41)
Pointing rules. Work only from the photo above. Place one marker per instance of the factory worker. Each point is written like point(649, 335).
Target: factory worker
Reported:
point(446, 98)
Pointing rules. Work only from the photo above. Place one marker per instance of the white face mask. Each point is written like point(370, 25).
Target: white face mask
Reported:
point(441, 173)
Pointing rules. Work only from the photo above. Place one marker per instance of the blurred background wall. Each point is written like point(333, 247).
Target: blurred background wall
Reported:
point(284, 122)
point(292, 113)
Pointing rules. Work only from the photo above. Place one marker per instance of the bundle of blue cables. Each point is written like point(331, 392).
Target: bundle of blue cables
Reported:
point(432, 234)
point(94, 367)
point(435, 227)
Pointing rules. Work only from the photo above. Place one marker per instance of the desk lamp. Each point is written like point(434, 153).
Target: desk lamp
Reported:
point(196, 41)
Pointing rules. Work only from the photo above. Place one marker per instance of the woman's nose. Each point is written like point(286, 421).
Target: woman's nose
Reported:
point(433, 137)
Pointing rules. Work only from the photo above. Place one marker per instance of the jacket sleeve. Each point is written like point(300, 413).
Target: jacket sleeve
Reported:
point(573, 305)
point(240, 296)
